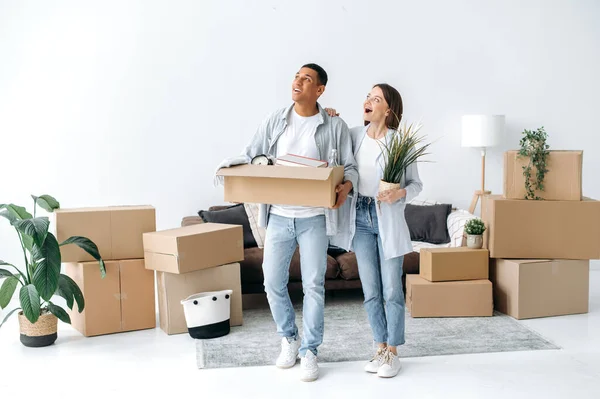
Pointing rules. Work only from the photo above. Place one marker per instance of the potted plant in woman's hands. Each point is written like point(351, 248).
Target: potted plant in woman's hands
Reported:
point(474, 229)
point(401, 150)
point(41, 278)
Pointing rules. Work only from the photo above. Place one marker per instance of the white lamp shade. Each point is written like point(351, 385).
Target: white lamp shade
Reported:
point(482, 130)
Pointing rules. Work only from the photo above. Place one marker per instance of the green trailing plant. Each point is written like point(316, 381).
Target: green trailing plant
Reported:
point(403, 148)
point(534, 147)
point(41, 279)
point(474, 227)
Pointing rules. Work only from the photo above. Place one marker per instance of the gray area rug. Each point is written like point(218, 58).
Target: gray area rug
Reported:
point(348, 337)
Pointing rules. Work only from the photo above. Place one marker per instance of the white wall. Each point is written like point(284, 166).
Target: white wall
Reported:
point(135, 102)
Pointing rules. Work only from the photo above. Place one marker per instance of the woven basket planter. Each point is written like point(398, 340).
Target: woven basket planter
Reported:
point(384, 186)
point(41, 333)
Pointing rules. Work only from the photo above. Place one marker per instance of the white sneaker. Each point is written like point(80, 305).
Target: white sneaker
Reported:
point(309, 367)
point(390, 365)
point(289, 353)
point(373, 365)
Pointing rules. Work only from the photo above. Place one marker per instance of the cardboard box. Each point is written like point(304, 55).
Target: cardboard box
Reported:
point(121, 301)
point(561, 182)
point(282, 185)
point(196, 247)
point(526, 289)
point(454, 264)
point(529, 229)
point(172, 288)
point(117, 231)
point(448, 298)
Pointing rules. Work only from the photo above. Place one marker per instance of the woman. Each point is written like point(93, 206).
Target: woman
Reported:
point(378, 229)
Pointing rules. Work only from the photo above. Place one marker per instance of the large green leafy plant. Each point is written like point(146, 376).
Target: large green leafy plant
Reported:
point(403, 148)
point(41, 280)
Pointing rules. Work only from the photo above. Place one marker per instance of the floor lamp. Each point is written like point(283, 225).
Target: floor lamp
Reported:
point(481, 131)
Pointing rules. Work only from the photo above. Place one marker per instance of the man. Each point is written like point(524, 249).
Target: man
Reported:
point(305, 129)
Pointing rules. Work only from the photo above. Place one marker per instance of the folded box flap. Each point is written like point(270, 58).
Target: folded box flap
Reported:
point(277, 172)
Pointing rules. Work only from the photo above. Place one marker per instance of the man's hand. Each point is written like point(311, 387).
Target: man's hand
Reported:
point(342, 191)
point(391, 196)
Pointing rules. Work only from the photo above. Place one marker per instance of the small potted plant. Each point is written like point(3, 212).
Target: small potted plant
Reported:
point(474, 229)
point(401, 150)
point(40, 279)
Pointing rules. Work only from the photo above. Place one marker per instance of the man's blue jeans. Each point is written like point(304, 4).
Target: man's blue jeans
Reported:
point(283, 235)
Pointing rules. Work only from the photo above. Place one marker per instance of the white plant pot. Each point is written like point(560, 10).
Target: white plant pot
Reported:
point(474, 241)
point(207, 314)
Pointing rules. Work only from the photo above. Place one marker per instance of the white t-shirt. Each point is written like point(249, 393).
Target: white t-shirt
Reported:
point(298, 139)
point(366, 158)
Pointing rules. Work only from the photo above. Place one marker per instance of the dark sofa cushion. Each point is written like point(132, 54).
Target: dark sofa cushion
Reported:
point(334, 251)
point(348, 266)
point(251, 266)
point(428, 223)
point(411, 263)
point(235, 214)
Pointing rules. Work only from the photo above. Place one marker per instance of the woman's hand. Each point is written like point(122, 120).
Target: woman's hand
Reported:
point(391, 196)
point(332, 112)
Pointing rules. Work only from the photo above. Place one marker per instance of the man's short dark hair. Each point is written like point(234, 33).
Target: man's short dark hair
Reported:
point(320, 72)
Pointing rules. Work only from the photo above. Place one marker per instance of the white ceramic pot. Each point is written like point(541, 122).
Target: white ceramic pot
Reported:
point(474, 241)
point(207, 314)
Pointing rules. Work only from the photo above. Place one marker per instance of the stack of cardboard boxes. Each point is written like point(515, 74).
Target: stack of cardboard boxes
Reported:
point(124, 299)
point(452, 282)
point(540, 249)
point(187, 261)
point(191, 260)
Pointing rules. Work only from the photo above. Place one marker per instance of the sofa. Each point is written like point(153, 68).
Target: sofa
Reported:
point(431, 224)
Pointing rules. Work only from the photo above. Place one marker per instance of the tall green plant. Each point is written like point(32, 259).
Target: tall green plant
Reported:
point(41, 279)
point(402, 149)
point(534, 147)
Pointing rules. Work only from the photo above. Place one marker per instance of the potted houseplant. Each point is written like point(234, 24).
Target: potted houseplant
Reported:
point(534, 148)
point(474, 229)
point(400, 150)
point(40, 280)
